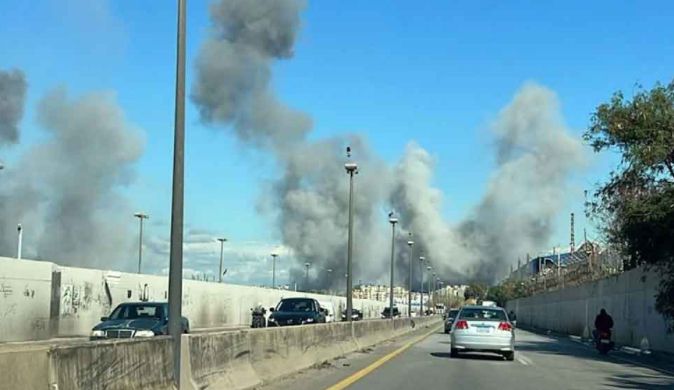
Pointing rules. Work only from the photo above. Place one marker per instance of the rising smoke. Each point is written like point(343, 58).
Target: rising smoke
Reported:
point(535, 157)
point(12, 97)
point(65, 190)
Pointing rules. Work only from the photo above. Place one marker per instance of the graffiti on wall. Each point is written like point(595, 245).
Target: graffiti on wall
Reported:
point(6, 290)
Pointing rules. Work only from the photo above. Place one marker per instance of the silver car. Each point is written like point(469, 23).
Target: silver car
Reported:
point(483, 329)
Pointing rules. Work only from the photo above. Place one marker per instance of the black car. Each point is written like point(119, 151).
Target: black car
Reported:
point(136, 319)
point(387, 312)
point(449, 319)
point(296, 311)
point(356, 315)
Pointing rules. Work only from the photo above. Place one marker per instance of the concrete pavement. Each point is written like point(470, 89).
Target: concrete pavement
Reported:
point(542, 362)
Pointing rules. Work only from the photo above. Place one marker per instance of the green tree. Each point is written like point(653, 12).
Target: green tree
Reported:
point(635, 207)
point(476, 291)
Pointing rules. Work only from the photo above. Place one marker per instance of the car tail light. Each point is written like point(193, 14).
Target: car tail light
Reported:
point(505, 326)
point(462, 324)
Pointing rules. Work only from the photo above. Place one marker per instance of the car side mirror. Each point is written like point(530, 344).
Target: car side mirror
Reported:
point(104, 318)
point(271, 309)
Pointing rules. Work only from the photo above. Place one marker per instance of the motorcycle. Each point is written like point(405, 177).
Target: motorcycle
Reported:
point(603, 342)
point(259, 320)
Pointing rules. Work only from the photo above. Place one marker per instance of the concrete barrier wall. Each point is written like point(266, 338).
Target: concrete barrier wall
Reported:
point(24, 367)
point(112, 365)
point(629, 298)
point(248, 358)
point(39, 299)
point(25, 300)
point(228, 359)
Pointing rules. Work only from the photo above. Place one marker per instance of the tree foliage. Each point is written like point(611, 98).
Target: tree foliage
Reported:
point(636, 205)
point(506, 291)
point(475, 291)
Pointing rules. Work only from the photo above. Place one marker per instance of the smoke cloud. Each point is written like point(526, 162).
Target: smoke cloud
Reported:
point(534, 154)
point(65, 190)
point(536, 157)
point(12, 98)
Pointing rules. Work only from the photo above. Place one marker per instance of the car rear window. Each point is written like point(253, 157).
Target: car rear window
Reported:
point(483, 314)
point(128, 312)
point(295, 305)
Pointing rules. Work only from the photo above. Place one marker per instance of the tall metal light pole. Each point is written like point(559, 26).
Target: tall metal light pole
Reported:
point(140, 217)
point(222, 248)
point(351, 169)
point(306, 276)
point(392, 220)
point(19, 244)
point(435, 288)
point(421, 286)
point(410, 244)
point(429, 268)
point(273, 269)
point(175, 294)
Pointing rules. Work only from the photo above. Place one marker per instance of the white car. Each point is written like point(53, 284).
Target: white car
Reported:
point(483, 329)
point(330, 308)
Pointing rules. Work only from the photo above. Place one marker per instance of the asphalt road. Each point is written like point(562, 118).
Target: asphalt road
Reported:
point(542, 362)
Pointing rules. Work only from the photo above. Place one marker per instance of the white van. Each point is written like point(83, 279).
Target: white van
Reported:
point(330, 317)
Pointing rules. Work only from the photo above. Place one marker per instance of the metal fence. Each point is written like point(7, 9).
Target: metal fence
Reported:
point(581, 268)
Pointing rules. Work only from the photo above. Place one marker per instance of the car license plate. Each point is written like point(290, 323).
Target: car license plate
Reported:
point(605, 341)
point(483, 330)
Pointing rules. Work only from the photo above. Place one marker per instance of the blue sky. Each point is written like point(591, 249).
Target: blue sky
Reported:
point(434, 71)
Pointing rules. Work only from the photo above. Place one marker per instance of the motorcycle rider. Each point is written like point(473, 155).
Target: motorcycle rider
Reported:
point(603, 323)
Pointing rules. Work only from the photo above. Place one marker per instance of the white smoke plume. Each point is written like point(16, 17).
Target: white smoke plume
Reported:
point(535, 157)
point(65, 190)
point(12, 99)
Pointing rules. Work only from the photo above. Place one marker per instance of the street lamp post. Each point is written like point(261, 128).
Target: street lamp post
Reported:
point(140, 217)
point(19, 244)
point(421, 285)
point(306, 276)
point(410, 243)
point(351, 169)
point(222, 247)
point(175, 293)
point(435, 289)
point(429, 268)
point(273, 269)
point(392, 220)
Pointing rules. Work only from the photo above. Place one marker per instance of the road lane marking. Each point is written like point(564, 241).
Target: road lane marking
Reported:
point(348, 381)
point(523, 359)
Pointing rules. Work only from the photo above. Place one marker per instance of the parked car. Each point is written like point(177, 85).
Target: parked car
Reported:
point(387, 312)
point(329, 310)
point(296, 311)
point(356, 315)
point(483, 329)
point(136, 319)
point(449, 319)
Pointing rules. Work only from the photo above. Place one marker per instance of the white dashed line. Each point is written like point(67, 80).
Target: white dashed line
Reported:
point(523, 359)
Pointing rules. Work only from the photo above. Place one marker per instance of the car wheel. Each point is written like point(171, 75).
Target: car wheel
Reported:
point(454, 353)
point(510, 356)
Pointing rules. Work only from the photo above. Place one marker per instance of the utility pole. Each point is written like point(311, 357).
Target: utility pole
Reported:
point(175, 293)
point(222, 248)
point(351, 169)
point(140, 217)
point(392, 220)
point(573, 234)
point(410, 244)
